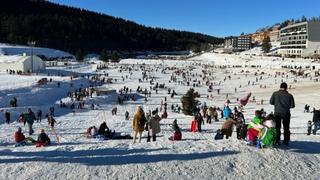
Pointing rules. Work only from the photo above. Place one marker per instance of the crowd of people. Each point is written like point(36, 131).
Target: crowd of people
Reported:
point(264, 130)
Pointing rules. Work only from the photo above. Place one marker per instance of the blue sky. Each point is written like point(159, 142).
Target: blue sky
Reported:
point(213, 17)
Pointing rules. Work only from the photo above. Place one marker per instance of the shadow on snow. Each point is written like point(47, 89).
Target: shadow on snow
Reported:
point(107, 156)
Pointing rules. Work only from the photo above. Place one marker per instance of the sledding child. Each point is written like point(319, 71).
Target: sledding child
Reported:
point(177, 135)
point(254, 128)
point(92, 132)
point(227, 127)
point(21, 140)
point(43, 139)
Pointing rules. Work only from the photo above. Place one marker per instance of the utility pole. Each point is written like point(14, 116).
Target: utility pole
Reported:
point(31, 44)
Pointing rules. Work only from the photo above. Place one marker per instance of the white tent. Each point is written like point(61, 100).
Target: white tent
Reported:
point(21, 63)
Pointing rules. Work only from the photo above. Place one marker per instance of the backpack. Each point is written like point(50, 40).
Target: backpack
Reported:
point(142, 121)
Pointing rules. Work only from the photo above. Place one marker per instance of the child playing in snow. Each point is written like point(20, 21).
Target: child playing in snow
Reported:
point(254, 128)
point(309, 127)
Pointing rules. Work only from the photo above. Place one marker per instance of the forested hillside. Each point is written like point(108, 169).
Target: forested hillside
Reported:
point(70, 29)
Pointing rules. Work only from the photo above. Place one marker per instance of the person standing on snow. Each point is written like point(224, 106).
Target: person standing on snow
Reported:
point(30, 117)
point(282, 101)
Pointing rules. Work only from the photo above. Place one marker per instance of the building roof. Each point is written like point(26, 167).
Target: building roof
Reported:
point(13, 59)
point(19, 50)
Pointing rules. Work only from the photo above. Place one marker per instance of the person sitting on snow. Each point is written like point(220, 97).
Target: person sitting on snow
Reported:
point(177, 135)
point(105, 131)
point(43, 139)
point(21, 140)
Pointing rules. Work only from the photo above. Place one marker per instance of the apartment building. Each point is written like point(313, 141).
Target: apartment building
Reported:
point(300, 39)
point(240, 43)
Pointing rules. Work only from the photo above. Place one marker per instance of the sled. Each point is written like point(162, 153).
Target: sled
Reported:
point(194, 126)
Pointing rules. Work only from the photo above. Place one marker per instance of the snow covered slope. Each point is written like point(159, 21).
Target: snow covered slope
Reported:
point(197, 156)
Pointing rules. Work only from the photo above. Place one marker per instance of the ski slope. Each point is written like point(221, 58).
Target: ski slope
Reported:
point(197, 156)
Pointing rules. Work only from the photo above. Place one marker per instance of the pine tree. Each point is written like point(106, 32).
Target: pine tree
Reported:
point(79, 55)
point(115, 56)
point(266, 45)
point(189, 102)
point(104, 55)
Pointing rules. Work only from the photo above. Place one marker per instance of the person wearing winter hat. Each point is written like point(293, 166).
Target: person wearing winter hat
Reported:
point(21, 140)
point(154, 126)
point(282, 101)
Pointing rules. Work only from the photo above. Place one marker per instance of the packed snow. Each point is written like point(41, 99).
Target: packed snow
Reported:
point(197, 156)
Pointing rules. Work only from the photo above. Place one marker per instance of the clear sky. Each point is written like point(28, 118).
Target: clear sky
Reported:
point(213, 17)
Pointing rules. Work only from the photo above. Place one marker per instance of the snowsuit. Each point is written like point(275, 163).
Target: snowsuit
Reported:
point(253, 129)
point(226, 112)
point(268, 133)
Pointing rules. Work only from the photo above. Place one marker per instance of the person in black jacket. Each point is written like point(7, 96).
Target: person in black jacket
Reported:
point(105, 131)
point(43, 138)
point(7, 114)
point(282, 101)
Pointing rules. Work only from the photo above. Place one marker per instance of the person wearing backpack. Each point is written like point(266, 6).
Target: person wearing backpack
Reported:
point(138, 123)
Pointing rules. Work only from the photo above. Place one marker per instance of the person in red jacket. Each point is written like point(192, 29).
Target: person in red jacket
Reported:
point(18, 136)
point(21, 140)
